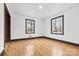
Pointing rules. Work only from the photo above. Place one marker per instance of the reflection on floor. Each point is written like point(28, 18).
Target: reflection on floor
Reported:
point(40, 47)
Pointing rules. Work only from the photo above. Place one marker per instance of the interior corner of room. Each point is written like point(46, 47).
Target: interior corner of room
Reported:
point(41, 18)
point(43, 22)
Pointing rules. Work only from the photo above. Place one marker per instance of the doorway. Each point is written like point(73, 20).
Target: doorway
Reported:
point(6, 24)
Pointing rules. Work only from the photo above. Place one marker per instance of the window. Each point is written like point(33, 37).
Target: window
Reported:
point(29, 26)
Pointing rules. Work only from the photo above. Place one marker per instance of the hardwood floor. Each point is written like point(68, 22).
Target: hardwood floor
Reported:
point(40, 47)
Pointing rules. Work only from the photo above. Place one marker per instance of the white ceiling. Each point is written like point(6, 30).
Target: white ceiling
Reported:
point(33, 10)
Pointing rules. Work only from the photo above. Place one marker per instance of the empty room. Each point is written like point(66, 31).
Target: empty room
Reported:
point(39, 29)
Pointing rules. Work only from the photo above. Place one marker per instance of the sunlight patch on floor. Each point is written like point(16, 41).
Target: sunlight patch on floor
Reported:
point(29, 50)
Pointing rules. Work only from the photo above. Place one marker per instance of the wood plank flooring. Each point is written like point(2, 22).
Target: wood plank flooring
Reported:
point(40, 47)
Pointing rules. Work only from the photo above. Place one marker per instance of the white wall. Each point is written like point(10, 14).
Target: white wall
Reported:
point(1, 27)
point(18, 26)
point(43, 26)
point(71, 25)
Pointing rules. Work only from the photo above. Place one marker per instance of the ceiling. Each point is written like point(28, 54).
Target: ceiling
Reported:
point(39, 10)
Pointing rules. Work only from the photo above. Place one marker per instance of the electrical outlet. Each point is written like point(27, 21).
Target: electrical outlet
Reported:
point(30, 35)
